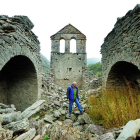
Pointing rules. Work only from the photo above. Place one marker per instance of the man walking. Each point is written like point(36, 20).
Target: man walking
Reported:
point(72, 96)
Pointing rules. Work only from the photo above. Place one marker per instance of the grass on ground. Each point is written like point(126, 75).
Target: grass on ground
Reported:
point(116, 106)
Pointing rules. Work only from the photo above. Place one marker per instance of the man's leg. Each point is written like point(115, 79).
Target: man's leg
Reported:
point(70, 107)
point(79, 106)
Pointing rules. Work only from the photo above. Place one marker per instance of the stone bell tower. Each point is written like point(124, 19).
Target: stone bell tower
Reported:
point(68, 67)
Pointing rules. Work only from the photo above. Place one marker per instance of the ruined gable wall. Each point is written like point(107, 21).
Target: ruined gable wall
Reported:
point(68, 67)
point(122, 43)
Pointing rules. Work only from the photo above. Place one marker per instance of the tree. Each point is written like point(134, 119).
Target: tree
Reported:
point(96, 69)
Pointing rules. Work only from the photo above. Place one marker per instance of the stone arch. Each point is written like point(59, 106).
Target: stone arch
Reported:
point(18, 80)
point(73, 45)
point(122, 71)
point(73, 37)
point(129, 57)
point(62, 45)
point(33, 61)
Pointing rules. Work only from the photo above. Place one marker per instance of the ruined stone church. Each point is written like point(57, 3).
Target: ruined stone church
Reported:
point(68, 67)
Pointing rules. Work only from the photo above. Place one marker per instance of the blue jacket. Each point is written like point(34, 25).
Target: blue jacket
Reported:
point(70, 93)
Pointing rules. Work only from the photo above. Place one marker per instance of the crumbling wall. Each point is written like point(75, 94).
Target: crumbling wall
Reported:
point(90, 81)
point(68, 68)
point(20, 63)
point(120, 46)
point(47, 82)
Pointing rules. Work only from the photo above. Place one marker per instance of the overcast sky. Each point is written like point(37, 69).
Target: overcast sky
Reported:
point(94, 18)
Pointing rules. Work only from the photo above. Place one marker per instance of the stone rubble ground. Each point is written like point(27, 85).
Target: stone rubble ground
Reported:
point(50, 117)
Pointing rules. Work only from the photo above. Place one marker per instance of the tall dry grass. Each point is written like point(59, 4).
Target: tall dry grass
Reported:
point(116, 106)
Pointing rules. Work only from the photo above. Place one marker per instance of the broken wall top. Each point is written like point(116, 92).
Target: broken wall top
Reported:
point(18, 28)
point(122, 28)
point(67, 30)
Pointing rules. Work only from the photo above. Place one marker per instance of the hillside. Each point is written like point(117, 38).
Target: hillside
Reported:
point(45, 63)
point(96, 69)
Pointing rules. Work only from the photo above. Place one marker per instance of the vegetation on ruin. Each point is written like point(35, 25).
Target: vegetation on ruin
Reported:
point(116, 106)
point(83, 96)
point(46, 137)
point(96, 69)
point(35, 116)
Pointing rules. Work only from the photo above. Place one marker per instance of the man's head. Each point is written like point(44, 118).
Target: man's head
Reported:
point(74, 84)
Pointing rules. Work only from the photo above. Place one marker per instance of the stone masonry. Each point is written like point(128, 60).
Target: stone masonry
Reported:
point(68, 67)
point(20, 63)
point(121, 51)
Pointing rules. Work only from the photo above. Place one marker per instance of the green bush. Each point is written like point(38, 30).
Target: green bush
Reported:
point(35, 115)
point(46, 137)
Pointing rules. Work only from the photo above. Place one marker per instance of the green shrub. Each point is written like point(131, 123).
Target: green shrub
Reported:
point(96, 69)
point(46, 137)
point(83, 96)
point(35, 115)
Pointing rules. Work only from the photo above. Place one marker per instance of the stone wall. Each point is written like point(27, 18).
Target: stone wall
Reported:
point(121, 51)
point(68, 68)
point(90, 81)
point(47, 82)
point(20, 63)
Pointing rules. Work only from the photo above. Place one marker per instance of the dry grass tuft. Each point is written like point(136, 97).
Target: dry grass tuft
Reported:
point(116, 106)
